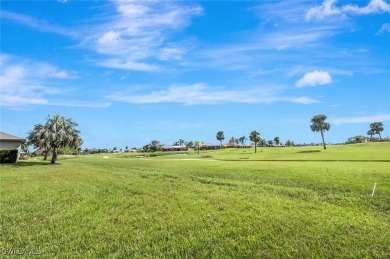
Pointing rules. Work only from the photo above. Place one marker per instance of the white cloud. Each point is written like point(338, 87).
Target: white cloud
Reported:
point(374, 6)
point(385, 28)
point(314, 78)
point(128, 65)
point(198, 94)
point(82, 104)
point(19, 81)
point(44, 70)
point(328, 8)
point(361, 119)
point(23, 82)
point(302, 100)
point(135, 32)
point(140, 33)
point(39, 24)
point(170, 53)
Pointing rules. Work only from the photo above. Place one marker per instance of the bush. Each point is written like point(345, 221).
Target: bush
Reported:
point(8, 156)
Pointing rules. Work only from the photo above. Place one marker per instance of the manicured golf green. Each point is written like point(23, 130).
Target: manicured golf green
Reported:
point(280, 202)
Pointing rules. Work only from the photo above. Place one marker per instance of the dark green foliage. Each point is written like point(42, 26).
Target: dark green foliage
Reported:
point(220, 136)
point(319, 125)
point(254, 136)
point(8, 156)
point(376, 128)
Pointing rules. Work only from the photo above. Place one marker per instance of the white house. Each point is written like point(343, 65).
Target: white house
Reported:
point(8, 141)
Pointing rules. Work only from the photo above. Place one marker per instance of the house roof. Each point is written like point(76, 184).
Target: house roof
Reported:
point(8, 137)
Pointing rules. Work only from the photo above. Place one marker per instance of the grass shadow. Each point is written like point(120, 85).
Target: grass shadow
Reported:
point(309, 151)
point(30, 163)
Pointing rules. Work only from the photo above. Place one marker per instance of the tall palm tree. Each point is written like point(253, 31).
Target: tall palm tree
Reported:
point(233, 141)
point(220, 136)
point(370, 132)
point(36, 138)
point(77, 143)
point(242, 140)
point(254, 136)
point(181, 142)
point(319, 124)
point(60, 132)
point(377, 128)
point(198, 144)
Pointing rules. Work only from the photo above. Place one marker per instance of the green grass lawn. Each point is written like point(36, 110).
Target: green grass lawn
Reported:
point(280, 202)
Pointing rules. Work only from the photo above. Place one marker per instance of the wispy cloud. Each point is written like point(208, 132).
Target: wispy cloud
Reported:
point(384, 29)
point(39, 24)
point(24, 82)
point(139, 35)
point(314, 78)
point(20, 81)
point(127, 65)
point(361, 119)
point(329, 8)
point(134, 35)
point(373, 7)
point(81, 104)
point(200, 94)
point(282, 34)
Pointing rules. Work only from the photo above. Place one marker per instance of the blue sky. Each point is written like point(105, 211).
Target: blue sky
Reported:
point(133, 71)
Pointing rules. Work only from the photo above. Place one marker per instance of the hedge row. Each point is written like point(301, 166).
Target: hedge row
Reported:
point(8, 156)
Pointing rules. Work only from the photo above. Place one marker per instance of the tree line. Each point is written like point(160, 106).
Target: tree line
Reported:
point(60, 132)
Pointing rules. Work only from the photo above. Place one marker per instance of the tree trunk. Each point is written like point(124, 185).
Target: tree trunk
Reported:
point(255, 148)
point(54, 157)
point(46, 153)
point(323, 140)
point(380, 137)
point(220, 147)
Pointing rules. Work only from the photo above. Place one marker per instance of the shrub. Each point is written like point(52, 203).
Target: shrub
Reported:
point(8, 156)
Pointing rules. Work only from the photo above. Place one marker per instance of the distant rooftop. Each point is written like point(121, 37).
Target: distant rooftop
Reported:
point(6, 136)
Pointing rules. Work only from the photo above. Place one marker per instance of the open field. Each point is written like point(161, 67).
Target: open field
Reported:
point(280, 202)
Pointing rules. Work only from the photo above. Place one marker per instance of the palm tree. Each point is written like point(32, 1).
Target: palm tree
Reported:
point(60, 132)
point(190, 144)
point(36, 138)
point(319, 124)
point(277, 140)
point(198, 144)
point(242, 140)
point(370, 132)
point(77, 143)
point(220, 136)
point(155, 145)
point(233, 141)
point(255, 138)
point(377, 128)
